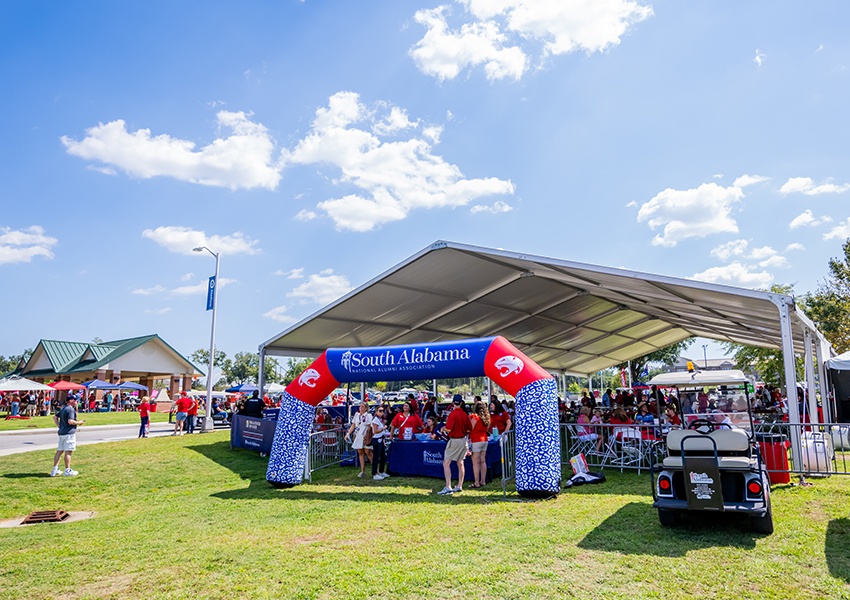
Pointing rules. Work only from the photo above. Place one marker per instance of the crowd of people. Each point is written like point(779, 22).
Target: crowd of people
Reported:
point(454, 423)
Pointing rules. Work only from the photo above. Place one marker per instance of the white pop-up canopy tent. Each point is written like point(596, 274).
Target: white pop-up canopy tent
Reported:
point(22, 384)
point(569, 317)
point(839, 375)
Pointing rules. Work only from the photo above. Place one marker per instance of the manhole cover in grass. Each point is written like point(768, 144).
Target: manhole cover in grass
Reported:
point(45, 516)
point(48, 516)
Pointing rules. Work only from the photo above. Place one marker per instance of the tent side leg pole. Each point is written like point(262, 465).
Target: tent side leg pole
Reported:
point(810, 378)
point(823, 384)
point(790, 380)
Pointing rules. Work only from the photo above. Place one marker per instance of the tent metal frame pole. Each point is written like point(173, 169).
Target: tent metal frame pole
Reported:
point(435, 389)
point(790, 378)
point(810, 377)
point(823, 384)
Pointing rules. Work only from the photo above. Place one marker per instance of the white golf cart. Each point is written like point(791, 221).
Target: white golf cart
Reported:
point(707, 465)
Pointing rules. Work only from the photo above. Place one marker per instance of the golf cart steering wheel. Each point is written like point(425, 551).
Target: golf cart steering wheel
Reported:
point(700, 423)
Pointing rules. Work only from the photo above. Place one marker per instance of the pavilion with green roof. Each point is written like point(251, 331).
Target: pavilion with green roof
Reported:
point(141, 359)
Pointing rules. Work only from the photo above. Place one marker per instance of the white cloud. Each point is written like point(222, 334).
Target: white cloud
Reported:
point(322, 288)
point(498, 207)
point(279, 314)
point(243, 160)
point(104, 170)
point(735, 274)
point(151, 290)
point(305, 215)
point(562, 25)
point(729, 249)
point(395, 177)
point(394, 122)
point(842, 230)
point(181, 240)
point(745, 180)
point(157, 311)
point(762, 253)
point(807, 219)
point(631, 204)
point(444, 53)
point(691, 213)
point(22, 245)
point(292, 274)
point(759, 59)
point(806, 186)
point(198, 289)
point(819, 48)
point(187, 276)
point(718, 176)
point(186, 290)
point(774, 261)
point(794, 246)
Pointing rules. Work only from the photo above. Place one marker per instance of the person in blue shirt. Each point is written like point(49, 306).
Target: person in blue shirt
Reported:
point(643, 416)
point(607, 398)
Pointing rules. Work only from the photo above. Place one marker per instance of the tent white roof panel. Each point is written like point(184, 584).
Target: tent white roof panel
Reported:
point(839, 363)
point(569, 317)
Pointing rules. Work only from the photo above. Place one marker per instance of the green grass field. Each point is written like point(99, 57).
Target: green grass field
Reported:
point(189, 518)
point(110, 418)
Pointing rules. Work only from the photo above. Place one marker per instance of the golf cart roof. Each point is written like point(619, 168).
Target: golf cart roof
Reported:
point(700, 379)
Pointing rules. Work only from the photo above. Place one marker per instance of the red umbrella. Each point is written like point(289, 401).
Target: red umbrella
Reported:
point(66, 385)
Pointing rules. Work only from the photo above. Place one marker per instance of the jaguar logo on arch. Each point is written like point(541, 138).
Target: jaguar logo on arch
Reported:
point(509, 365)
point(309, 378)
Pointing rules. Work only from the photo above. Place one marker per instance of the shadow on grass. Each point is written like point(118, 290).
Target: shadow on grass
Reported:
point(250, 466)
point(634, 529)
point(837, 548)
point(25, 475)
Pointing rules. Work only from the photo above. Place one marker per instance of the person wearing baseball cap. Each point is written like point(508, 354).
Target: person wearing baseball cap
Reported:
point(457, 427)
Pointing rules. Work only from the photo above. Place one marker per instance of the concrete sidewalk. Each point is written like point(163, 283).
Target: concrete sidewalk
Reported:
point(39, 430)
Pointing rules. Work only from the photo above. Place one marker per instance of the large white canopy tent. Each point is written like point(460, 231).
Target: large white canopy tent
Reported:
point(569, 317)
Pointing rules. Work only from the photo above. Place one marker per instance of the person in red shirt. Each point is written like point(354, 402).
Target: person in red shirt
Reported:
point(183, 405)
point(144, 413)
point(191, 416)
point(672, 417)
point(480, 422)
point(406, 423)
point(499, 417)
point(457, 427)
point(414, 405)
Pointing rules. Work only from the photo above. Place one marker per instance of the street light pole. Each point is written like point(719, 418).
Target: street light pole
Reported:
point(704, 355)
point(208, 420)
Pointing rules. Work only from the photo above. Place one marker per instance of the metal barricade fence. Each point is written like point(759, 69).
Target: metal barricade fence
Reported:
point(325, 448)
point(507, 445)
point(825, 447)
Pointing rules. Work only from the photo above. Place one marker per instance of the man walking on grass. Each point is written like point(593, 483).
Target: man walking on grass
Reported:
point(457, 427)
point(66, 421)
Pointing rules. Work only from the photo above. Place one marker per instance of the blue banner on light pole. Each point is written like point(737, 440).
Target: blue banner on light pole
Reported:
point(211, 293)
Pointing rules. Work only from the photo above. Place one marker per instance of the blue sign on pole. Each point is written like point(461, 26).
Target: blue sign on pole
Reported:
point(211, 293)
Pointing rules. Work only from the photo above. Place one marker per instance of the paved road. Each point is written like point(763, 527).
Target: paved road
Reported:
point(27, 441)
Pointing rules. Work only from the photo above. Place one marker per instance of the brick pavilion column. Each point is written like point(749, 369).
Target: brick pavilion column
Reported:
point(100, 374)
point(187, 383)
point(174, 388)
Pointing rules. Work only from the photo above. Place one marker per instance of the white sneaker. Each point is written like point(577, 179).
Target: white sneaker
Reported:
point(69, 473)
point(377, 477)
point(360, 474)
point(384, 475)
point(457, 489)
point(175, 433)
point(54, 472)
point(446, 491)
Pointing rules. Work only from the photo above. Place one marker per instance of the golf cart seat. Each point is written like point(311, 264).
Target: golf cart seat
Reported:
point(733, 447)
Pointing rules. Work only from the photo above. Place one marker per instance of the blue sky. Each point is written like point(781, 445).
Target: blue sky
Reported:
point(318, 143)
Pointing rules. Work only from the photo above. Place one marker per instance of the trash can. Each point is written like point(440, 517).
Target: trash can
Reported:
point(774, 453)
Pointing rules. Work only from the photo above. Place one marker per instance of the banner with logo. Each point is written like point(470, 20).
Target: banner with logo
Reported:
point(494, 357)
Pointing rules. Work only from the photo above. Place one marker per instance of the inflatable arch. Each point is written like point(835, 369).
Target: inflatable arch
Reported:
point(538, 461)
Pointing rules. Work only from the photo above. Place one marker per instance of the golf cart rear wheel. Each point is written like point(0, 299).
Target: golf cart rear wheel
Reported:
point(763, 524)
point(668, 518)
